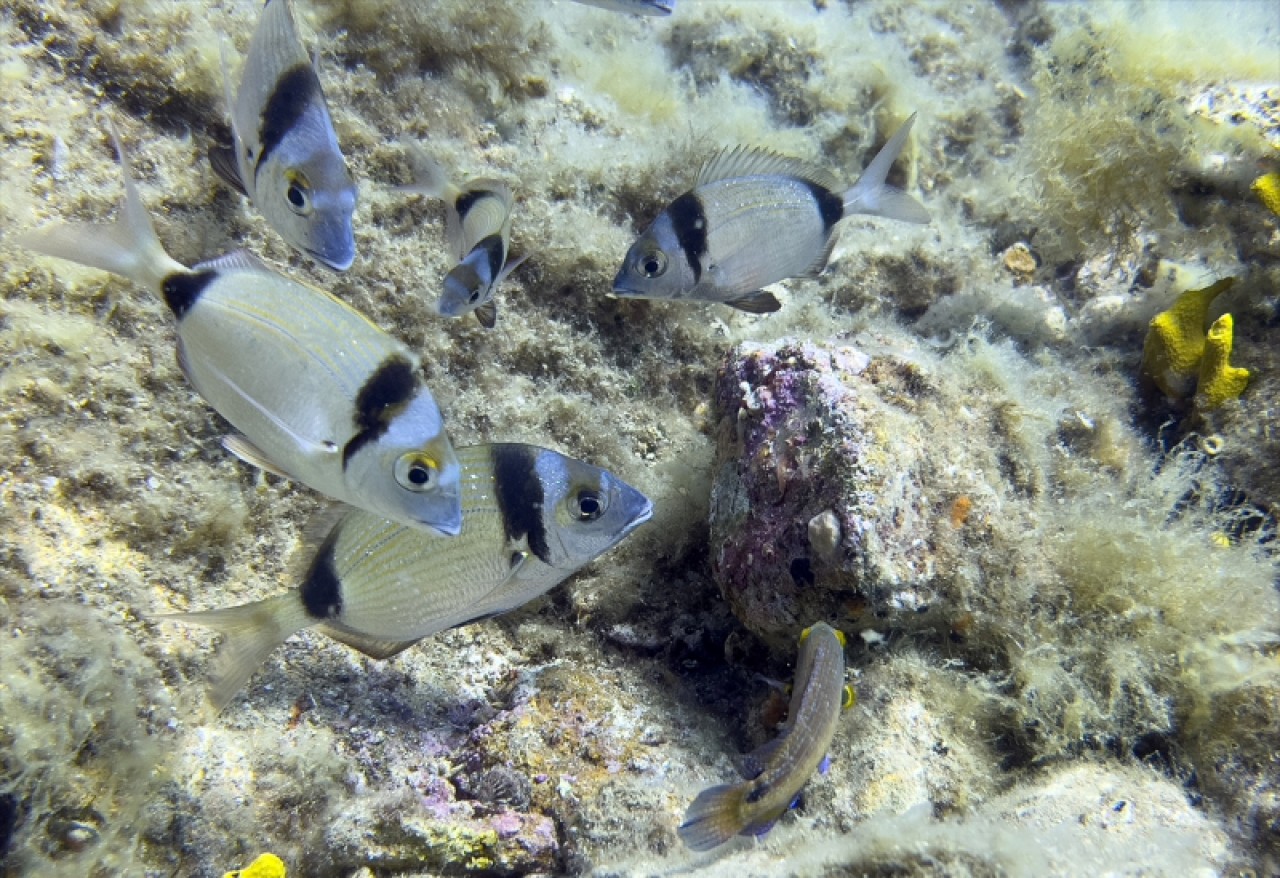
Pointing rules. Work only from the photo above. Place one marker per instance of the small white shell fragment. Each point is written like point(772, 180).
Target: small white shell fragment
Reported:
point(824, 534)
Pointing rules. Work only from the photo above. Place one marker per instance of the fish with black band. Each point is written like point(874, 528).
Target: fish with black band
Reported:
point(285, 155)
point(531, 518)
point(754, 218)
point(320, 394)
point(777, 772)
point(478, 228)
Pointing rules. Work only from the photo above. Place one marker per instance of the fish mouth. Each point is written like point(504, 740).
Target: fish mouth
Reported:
point(624, 292)
point(449, 527)
point(341, 263)
point(334, 264)
point(642, 516)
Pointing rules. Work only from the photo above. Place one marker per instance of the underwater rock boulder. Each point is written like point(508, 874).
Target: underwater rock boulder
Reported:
point(820, 508)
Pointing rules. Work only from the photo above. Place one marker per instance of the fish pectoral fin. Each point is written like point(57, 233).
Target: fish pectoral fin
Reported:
point(751, 765)
point(512, 265)
point(227, 167)
point(304, 445)
point(251, 454)
point(758, 302)
point(374, 647)
point(487, 314)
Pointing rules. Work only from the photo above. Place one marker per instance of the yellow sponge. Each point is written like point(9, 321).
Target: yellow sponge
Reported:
point(266, 866)
point(1175, 341)
point(1219, 380)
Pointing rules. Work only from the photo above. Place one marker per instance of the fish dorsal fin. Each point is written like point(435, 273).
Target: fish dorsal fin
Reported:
point(758, 302)
point(374, 647)
point(251, 454)
point(750, 161)
point(315, 532)
point(752, 765)
point(241, 260)
point(227, 167)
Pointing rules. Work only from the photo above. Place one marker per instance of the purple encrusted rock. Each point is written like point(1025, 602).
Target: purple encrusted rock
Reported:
point(819, 508)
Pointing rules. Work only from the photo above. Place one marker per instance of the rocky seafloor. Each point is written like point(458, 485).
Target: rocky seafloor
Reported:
point(1059, 585)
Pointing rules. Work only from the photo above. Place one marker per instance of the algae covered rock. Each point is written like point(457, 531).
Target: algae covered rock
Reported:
point(821, 507)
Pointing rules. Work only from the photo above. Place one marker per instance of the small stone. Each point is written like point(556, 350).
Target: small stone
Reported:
point(824, 534)
point(1020, 261)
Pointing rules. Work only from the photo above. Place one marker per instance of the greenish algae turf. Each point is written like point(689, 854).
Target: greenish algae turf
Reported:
point(1120, 665)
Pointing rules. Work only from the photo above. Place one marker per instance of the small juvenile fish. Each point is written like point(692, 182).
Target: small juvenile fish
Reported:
point(321, 394)
point(531, 517)
point(635, 7)
point(754, 218)
point(285, 155)
point(778, 771)
point(478, 226)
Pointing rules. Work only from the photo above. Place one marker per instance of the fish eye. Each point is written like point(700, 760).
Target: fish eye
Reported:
point(417, 472)
point(587, 505)
point(475, 297)
point(299, 192)
point(653, 263)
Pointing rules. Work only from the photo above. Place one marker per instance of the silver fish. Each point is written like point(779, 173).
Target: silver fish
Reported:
point(754, 218)
point(531, 518)
point(285, 156)
point(635, 7)
point(778, 771)
point(321, 394)
point(478, 227)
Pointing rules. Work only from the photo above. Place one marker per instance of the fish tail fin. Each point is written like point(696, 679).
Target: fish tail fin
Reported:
point(253, 631)
point(429, 177)
point(714, 817)
point(128, 246)
point(872, 195)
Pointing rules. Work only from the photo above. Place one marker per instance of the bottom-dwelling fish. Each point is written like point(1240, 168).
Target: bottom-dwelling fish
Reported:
point(778, 771)
point(635, 7)
point(531, 517)
point(478, 226)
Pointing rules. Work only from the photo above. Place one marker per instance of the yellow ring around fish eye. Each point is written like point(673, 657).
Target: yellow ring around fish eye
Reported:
point(653, 263)
point(417, 472)
point(587, 505)
point(298, 193)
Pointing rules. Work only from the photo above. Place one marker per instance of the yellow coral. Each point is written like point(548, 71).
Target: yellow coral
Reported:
point(1267, 188)
point(266, 866)
point(1219, 380)
point(1175, 340)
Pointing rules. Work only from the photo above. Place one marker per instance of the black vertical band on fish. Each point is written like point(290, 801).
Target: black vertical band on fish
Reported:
point(296, 90)
point(467, 200)
point(520, 497)
point(392, 385)
point(690, 223)
point(494, 253)
point(830, 205)
point(321, 588)
point(182, 289)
